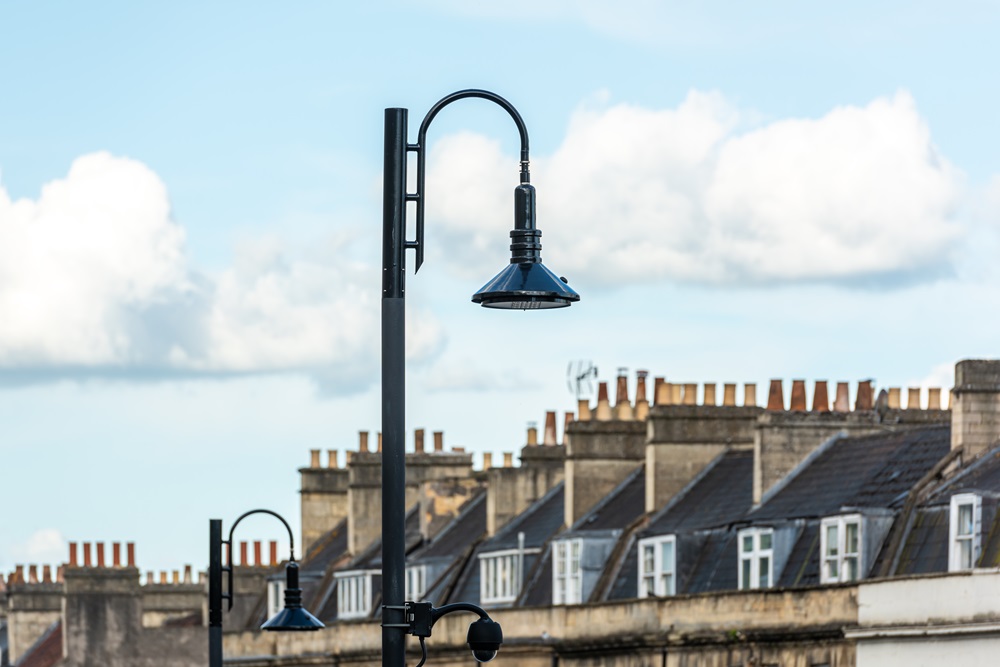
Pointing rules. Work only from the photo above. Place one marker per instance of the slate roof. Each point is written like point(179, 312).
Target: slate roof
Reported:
point(874, 471)
point(721, 494)
point(538, 523)
point(619, 508)
point(455, 544)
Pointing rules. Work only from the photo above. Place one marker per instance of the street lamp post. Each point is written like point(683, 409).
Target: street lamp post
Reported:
point(293, 618)
point(524, 284)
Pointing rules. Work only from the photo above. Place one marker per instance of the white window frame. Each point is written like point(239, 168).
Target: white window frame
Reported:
point(959, 538)
point(500, 575)
point(663, 579)
point(354, 594)
point(835, 558)
point(754, 556)
point(416, 582)
point(275, 596)
point(567, 579)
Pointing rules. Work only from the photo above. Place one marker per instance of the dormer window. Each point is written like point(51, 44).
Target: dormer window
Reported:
point(756, 558)
point(964, 530)
point(567, 585)
point(416, 582)
point(500, 577)
point(657, 566)
point(275, 596)
point(840, 544)
point(354, 594)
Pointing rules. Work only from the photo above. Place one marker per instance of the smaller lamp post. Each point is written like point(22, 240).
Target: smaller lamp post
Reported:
point(293, 618)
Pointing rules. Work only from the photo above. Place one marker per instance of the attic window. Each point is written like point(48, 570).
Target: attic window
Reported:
point(657, 566)
point(275, 596)
point(840, 544)
point(756, 558)
point(567, 585)
point(964, 531)
point(416, 582)
point(354, 594)
point(500, 577)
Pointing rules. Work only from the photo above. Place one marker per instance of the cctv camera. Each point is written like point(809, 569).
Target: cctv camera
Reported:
point(485, 637)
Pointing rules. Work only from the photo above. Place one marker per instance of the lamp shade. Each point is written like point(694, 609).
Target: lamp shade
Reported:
point(527, 286)
point(293, 618)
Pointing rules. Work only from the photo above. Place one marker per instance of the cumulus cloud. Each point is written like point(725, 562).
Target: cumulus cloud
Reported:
point(94, 279)
point(691, 195)
point(44, 546)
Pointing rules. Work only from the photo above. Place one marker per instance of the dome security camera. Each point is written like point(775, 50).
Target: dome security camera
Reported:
point(485, 637)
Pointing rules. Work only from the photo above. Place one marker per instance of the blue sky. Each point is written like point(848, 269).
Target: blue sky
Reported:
point(190, 228)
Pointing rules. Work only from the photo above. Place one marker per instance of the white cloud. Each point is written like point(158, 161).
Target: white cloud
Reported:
point(688, 195)
point(94, 279)
point(45, 546)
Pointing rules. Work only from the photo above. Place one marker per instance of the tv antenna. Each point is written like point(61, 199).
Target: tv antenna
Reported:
point(580, 377)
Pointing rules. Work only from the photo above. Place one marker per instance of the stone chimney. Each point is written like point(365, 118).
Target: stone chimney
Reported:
point(439, 481)
point(31, 607)
point(323, 495)
point(364, 499)
point(510, 490)
point(683, 439)
point(599, 457)
point(975, 421)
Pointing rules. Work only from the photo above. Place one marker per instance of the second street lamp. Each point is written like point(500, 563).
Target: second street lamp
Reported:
point(524, 284)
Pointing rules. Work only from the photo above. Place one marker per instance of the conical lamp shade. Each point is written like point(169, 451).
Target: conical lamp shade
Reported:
point(293, 619)
point(525, 286)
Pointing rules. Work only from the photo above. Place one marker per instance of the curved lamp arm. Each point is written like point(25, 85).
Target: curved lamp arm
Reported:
point(229, 543)
point(421, 144)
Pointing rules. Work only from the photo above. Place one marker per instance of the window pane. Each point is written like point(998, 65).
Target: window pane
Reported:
point(667, 557)
point(965, 554)
point(765, 572)
point(667, 584)
point(831, 569)
point(648, 559)
point(831, 540)
point(851, 538)
point(765, 541)
point(965, 519)
point(745, 565)
point(649, 585)
point(851, 568)
point(747, 543)
point(575, 550)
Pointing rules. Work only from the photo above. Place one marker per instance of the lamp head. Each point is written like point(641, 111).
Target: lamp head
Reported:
point(526, 283)
point(293, 618)
point(485, 637)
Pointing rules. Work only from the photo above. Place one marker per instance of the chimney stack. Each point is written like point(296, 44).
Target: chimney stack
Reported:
point(975, 416)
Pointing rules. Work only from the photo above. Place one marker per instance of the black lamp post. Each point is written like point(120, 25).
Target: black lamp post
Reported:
point(524, 284)
point(293, 618)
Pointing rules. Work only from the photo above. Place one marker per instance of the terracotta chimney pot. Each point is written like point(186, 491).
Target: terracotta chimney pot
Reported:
point(116, 554)
point(798, 395)
point(176, 578)
point(72, 554)
point(913, 398)
point(676, 393)
point(821, 397)
point(46, 574)
point(775, 396)
point(550, 429)
point(187, 574)
point(438, 441)
point(313, 458)
point(130, 551)
point(865, 399)
point(362, 444)
point(729, 395)
point(843, 401)
point(750, 395)
point(583, 409)
point(567, 420)
point(273, 548)
point(532, 434)
point(86, 554)
point(256, 553)
point(100, 554)
point(487, 460)
point(894, 398)
point(709, 394)
point(934, 398)
point(603, 404)
point(331, 459)
point(508, 459)
point(243, 554)
point(32, 574)
point(664, 393)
